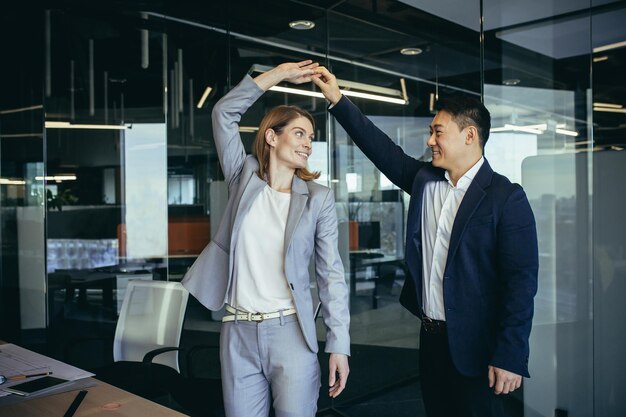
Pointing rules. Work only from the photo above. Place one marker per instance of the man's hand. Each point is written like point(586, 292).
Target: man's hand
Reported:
point(502, 381)
point(328, 84)
point(294, 72)
point(338, 373)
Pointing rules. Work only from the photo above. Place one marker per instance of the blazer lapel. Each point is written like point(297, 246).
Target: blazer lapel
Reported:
point(413, 243)
point(426, 175)
point(251, 191)
point(474, 195)
point(299, 197)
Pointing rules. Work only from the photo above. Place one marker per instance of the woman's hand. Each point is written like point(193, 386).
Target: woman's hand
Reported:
point(298, 72)
point(294, 72)
point(338, 373)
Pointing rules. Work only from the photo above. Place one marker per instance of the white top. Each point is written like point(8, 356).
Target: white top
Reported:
point(261, 284)
point(441, 202)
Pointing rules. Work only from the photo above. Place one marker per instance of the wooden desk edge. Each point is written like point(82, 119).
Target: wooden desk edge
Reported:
point(99, 395)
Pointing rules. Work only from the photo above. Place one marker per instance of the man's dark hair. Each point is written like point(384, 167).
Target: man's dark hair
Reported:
point(468, 111)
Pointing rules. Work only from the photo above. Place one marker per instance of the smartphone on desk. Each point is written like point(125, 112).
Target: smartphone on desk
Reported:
point(36, 386)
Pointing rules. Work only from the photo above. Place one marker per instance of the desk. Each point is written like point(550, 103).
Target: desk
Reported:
point(55, 405)
point(360, 259)
point(130, 405)
point(71, 280)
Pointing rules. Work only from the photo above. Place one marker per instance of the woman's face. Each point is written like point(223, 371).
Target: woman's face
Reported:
point(292, 147)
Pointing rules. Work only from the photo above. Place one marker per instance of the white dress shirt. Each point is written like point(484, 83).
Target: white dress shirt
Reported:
point(441, 201)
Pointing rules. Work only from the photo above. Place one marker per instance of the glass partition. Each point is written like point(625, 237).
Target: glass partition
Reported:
point(538, 93)
point(106, 173)
point(607, 100)
point(22, 197)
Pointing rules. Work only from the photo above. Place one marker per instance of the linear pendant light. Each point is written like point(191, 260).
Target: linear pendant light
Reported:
point(536, 129)
point(67, 125)
point(348, 93)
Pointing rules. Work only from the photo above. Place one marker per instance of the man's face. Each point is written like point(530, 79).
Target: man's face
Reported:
point(447, 142)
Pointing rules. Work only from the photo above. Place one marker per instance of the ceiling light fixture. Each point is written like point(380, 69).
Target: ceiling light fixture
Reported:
point(609, 46)
point(411, 51)
point(67, 125)
point(600, 58)
point(57, 178)
point(290, 90)
point(248, 129)
point(405, 96)
point(511, 81)
point(566, 132)
point(537, 129)
point(609, 110)
point(302, 24)
point(347, 93)
point(21, 109)
point(609, 105)
point(206, 93)
point(9, 181)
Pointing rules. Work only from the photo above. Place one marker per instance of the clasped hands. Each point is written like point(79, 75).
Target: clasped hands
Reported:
point(302, 72)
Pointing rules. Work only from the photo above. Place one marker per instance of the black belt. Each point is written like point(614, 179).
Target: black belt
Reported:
point(432, 326)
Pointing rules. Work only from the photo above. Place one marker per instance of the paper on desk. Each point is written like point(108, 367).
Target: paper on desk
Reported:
point(15, 360)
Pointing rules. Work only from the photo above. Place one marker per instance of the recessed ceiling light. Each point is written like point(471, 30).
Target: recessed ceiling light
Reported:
point(511, 81)
point(302, 24)
point(600, 58)
point(411, 51)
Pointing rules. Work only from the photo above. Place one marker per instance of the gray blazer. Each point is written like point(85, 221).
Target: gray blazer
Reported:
point(311, 229)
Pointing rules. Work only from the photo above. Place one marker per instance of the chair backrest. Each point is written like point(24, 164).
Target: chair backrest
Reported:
point(151, 317)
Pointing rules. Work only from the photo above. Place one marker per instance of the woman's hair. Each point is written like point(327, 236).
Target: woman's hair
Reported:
point(277, 119)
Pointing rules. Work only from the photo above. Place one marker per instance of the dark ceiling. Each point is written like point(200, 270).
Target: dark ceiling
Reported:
point(360, 39)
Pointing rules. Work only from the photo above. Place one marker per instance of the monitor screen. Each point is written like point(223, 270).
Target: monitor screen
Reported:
point(369, 235)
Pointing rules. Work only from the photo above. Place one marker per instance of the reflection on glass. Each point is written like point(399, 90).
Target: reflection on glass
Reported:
point(181, 189)
point(81, 253)
point(145, 191)
point(539, 100)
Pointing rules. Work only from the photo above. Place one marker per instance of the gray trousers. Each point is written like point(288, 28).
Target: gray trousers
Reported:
point(259, 358)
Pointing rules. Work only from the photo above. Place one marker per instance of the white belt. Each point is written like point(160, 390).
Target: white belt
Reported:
point(245, 316)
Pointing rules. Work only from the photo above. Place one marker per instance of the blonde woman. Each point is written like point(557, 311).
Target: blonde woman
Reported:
point(276, 219)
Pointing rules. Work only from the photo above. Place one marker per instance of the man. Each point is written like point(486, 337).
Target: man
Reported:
point(471, 250)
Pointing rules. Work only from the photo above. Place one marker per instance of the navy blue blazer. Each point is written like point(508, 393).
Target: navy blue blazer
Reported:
point(490, 278)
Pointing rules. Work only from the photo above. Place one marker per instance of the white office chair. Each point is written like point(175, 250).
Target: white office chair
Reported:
point(147, 338)
point(151, 318)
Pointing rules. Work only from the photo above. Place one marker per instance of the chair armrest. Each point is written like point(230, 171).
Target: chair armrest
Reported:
point(148, 357)
point(192, 352)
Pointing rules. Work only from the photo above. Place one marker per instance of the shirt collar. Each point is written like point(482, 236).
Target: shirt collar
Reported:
point(464, 182)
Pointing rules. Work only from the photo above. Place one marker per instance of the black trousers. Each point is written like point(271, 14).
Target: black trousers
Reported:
point(446, 392)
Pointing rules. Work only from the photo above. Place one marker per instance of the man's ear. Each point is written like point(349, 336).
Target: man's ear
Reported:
point(472, 135)
point(270, 137)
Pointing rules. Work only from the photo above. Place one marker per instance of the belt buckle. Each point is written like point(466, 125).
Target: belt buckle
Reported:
point(261, 318)
point(430, 325)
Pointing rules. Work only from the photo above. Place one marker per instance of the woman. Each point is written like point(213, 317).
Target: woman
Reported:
point(257, 263)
